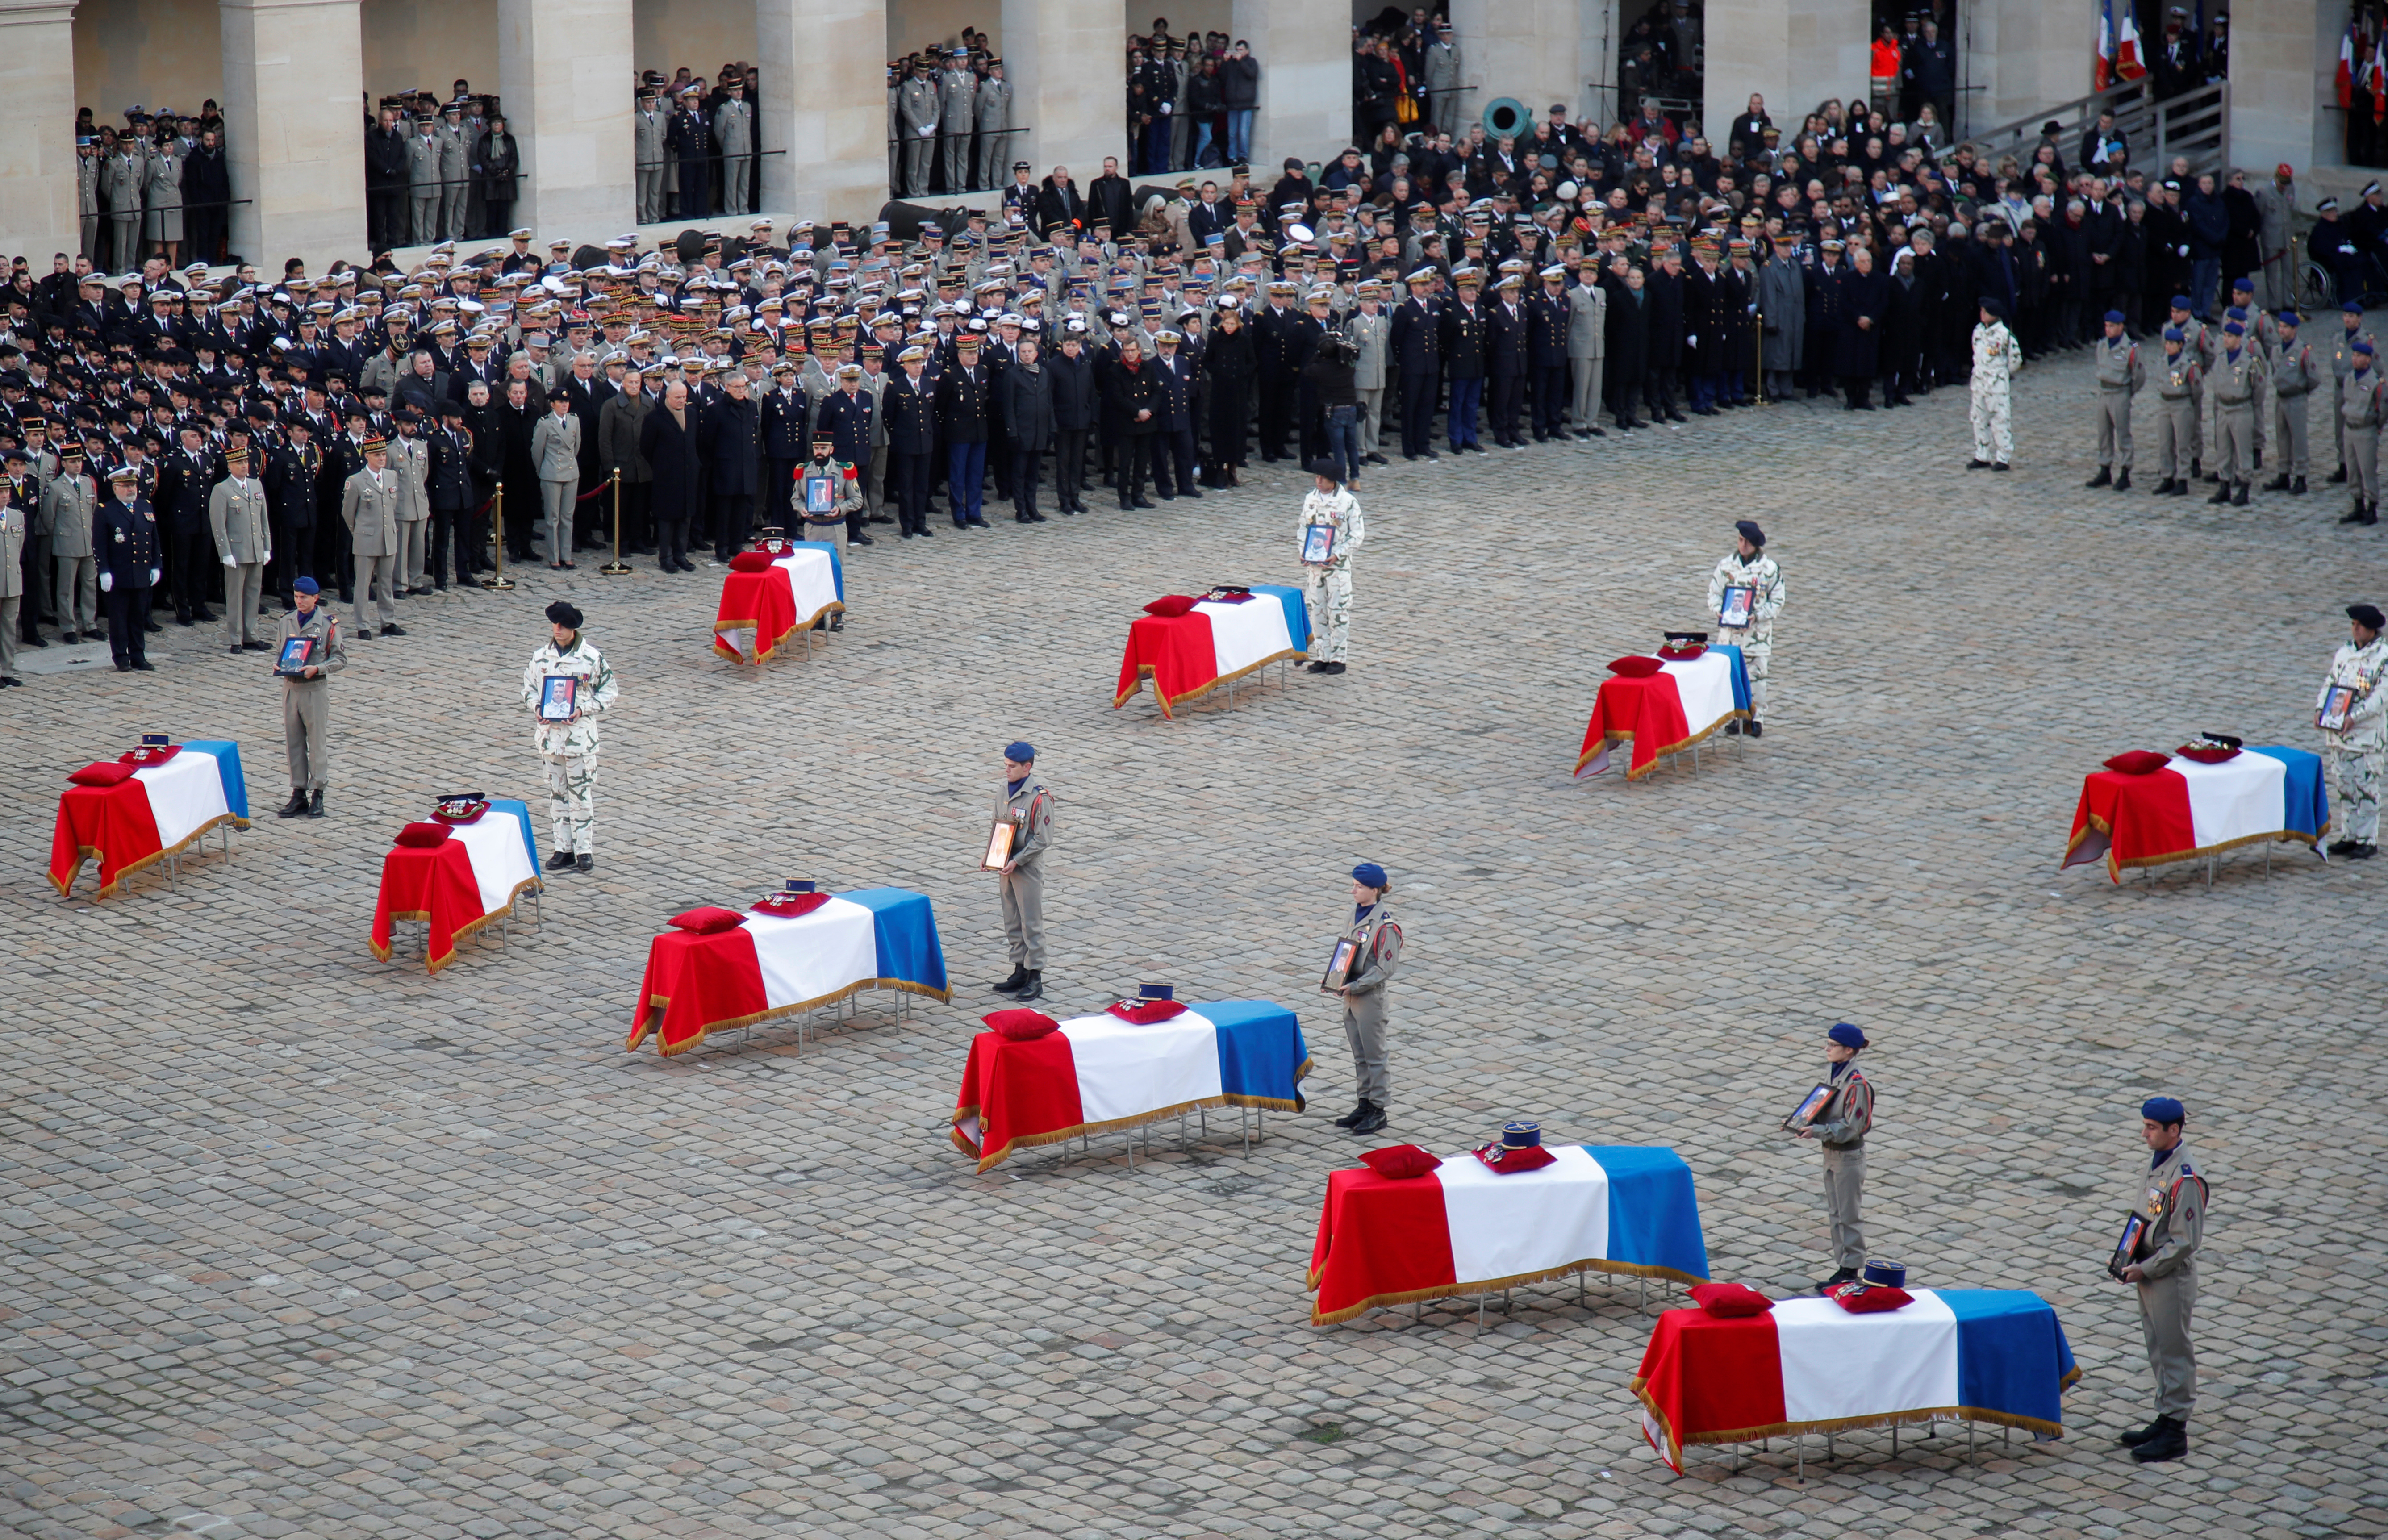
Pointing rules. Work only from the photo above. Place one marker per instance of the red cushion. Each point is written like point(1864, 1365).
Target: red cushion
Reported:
point(2206, 754)
point(2139, 762)
point(1146, 1011)
point(750, 561)
point(1731, 1300)
point(148, 755)
point(470, 813)
point(1170, 604)
point(1637, 667)
point(707, 921)
point(790, 906)
point(419, 834)
point(103, 774)
point(1872, 1302)
point(1508, 1163)
point(1400, 1161)
point(1681, 655)
point(1020, 1027)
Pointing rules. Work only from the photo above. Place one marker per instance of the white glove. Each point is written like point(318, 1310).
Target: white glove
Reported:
point(232, 561)
point(154, 576)
point(108, 582)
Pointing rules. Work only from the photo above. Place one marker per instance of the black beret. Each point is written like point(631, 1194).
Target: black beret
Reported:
point(1748, 528)
point(2365, 615)
point(562, 613)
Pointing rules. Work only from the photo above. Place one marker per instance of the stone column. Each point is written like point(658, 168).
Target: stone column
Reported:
point(1539, 52)
point(38, 210)
point(1794, 53)
point(293, 120)
point(2283, 67)
point(1305, 47)
point(824, 68)
point(2026, 56)
point(1067, 62)
point(568, 86)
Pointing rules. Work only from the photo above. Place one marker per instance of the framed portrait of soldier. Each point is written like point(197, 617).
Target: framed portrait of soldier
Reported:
point(2337, 706)
point(559, 698)
point(2126, 1245)
point(1338, 966)
point(1733, 611)
point(1811, 1106)
point(998, 845)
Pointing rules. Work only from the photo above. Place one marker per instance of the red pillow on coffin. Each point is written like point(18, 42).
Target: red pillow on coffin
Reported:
point(708, 920)
point(2207, 754)
point(750, 561)
point(1636, 667)
point(1400, 1161)
point(149, 754)
point(1020, 1026)
point(416, 836)
point(2139, 761)
point(790, 906)
point(1730, 1301)
point(103, 774)
point(465, 811)
point(1171, 604)
point(1508, 1163)
point(1859, 1300)
point(1145, 1012)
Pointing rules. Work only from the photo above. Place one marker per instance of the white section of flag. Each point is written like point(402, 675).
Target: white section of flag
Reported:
point(185, 793)
point(1243, 635)
point(812, 579)
point(1836, 1365)
point(1126, 1071)
point(815, 955)
point(1528, 1221)
point(2238, 797)
point(1705, 686)
point(493, 843)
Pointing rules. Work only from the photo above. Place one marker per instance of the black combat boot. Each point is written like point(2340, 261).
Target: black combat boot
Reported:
point(296, 806)
point(2297, 488)
point(1032, 989)
point(2123, 482)
point(2238, 494)
point(2104, 477)
point(2170, 1442)
point(316, 803)
point(1369, 1121)
point(2278, 484)
point(2221, 493)
point(1354, 1115)
point(1018, 976)
point(2138, 1436)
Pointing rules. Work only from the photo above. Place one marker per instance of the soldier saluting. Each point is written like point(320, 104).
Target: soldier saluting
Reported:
point(2163, 1266)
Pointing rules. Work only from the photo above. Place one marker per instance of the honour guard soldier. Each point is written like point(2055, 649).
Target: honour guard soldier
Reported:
point(916, 111)
point(1028, 808)
point(2237, 379)
point(1375, 952)
point(13, 532)
point(2296, 374)
point(129, 552)
point(1330, 509)
point(2355, 729)
point(567, 744)
point(733, 132)
point(826, 493)
point(1748, 566)
point(70, 508)
point(1996, 357)
point(2342, 364)
point(647, 128)
point(993, 115)
point(2363, 406)
point(369, 507)
point(1841, 1126)
point(957, 95)
point(1415, 339)
point(2163, 1266)
point(2179, 380)
point(2121, 375)
point(237, 517)
point(306, 699)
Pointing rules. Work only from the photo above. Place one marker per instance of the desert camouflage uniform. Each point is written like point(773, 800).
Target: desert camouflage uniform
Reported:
point(2354, 754)
point(1756, 639)
point(1995, 357)
point(569, 750)
point(1327, 588)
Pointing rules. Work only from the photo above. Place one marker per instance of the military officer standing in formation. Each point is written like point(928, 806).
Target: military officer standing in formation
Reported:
point(2296, 374)
point(129, 555)
point(957, 98)
point(567, 748)
point(2362, 409)
point(916, 107)
point(733, 131)
point(2179, 380)
point(1841, 1126)
point(14, 533)
point(237, 518)
point(2237, 379)
point(647, 128)
point(991, 113)
point(1748, 565)
point(306, 698)
point(68, 513)
point(369, 508)
point(2342, 365)
point(1996, 357)
point(1375, 952)
point(2163, 1267)
point(2121, 375)
point(1327, 564)
point(2352, 712)
point(1028, 808)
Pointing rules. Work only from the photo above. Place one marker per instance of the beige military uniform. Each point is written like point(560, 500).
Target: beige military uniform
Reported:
point(2173, 1200)
point(2235, 381)
point(2179, 380)
point(1377, 942)
point(244, 537)
point(68, 504)
point(1841, 1128)
point(1029, 809)
point(14, 529)
point(410, 461)
point(2296, 374)
point(2121, 374)
point(369, 507)
point(2363, 405)
point(306, 703)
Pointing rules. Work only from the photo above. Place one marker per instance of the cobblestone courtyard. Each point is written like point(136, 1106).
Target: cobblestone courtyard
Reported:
point(299, 1243)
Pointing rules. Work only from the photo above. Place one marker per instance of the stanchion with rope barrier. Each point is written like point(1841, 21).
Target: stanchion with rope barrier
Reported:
point(498, 579)
point(616, 567)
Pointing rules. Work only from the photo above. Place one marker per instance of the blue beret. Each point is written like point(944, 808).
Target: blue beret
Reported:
point(2180, 302)
point(1748, 530)
point(2234, 328)
point(1021, 752)
point(2288, 318)
point(2353, 307)
point(1847, 1035)
point(2163, 1108)
point(2243, 286)
point(1369, 874)
point(2236, 313)
point(2363, 346)
point(306, 585)
point(2114, 318)
point(2173, 334)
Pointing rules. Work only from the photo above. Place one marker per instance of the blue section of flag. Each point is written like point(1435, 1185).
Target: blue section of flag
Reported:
point(837, 572)
point(905, 924)
point(227, 754)
point(520, 812)
point(1654, 1216)
point(1261, 1051)
point(2011, 1355)
point(1740, 675)
point(2303, 796)
point(1297, 612)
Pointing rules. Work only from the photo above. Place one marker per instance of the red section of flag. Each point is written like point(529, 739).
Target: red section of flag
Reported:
point(1706, 1380)
point(1381, 1241)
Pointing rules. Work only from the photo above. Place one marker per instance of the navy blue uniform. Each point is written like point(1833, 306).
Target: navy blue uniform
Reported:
point(130, 551)
point(1416, 342)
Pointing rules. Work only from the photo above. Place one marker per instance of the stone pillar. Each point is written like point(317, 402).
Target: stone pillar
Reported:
point(1794, 53)
point(1539, 52)
point(294, 120)
point(568, 86)
point(1067, 62)
point(2283, 67)
point(38, 208)
point(2026, 56)
point(824, 68)
point(1305, 47)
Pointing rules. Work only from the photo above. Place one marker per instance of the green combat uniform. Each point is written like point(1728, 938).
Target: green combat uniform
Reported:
point(569, 750)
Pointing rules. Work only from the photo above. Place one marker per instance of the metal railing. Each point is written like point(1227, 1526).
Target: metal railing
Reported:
point(2195, 123)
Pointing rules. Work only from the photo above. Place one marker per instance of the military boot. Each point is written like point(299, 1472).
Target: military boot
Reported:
point(2171, 1442)
point(1018, 976)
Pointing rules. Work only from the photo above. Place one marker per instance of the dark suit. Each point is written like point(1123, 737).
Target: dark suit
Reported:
point(670, 452)
point(1463, 340)
point(729, 446)
point(1504, 368)
point(184, 478)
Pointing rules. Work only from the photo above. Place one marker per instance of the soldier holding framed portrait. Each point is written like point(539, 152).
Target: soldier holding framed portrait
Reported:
point(1839, 1115)
point(566, 685)
point(1021, 833)
point(2352, 715)
point(1360, 966)
point(1745, 595)
point(2158, 1256)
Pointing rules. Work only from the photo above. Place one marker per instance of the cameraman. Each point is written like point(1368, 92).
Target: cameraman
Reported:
point(1330, 373)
